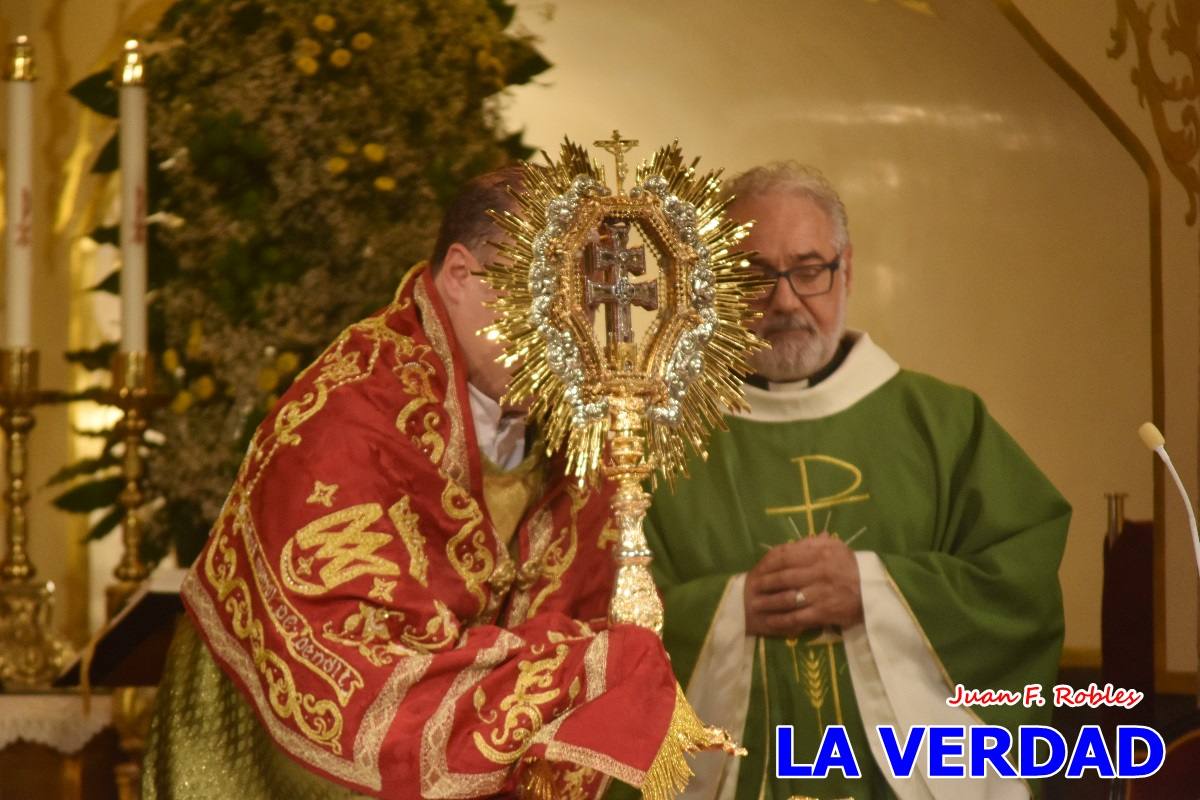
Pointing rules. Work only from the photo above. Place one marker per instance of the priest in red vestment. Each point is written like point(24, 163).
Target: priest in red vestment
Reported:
point(401, 597)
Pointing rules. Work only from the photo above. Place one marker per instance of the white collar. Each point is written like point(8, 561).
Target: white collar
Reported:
point(501, 436)
point(865, 368)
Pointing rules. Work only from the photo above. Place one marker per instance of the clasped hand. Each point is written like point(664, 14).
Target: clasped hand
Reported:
point(822, 569)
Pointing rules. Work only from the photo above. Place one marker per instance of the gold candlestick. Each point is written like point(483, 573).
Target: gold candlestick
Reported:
point(133, 394)
point(31, 655)
point(20, 64)
point(18, 395)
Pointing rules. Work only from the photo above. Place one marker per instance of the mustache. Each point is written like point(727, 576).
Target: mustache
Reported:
point(779, 323)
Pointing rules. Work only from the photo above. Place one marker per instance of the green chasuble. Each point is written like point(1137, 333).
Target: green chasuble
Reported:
point(958, 537)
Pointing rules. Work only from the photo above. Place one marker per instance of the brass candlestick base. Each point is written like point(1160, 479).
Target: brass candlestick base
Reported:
point(133, 394)
point(31, 655)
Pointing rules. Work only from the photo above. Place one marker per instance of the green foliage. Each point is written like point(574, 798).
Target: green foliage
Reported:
point(97, 92)
point(84, 466)
point(90, 495)
point(96, 357)
point(300, 155)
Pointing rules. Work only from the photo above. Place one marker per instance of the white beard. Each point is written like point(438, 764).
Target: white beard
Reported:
point(798, 349)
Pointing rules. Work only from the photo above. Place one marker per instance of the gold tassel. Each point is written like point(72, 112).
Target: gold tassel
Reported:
point(669, 774)
point(538, 781)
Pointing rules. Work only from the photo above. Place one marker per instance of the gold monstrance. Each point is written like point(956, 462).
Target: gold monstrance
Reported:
point(630, 405)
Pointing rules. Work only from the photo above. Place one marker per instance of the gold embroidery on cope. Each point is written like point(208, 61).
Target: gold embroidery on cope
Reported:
point(348, 551)
point(415, 379)
point(609, 535)
point(540, 528)
point(336, 368)
point(369, 631)
point(406, 523)
point(437, 780)
point(522, 709)
point(318, 720)
point(468, 550)
point(454, 462)
point(560, 552)
point(382, 590)
point(322, 494)
point(297, 634)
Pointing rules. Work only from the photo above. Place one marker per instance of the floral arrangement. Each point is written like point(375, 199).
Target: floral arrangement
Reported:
point(301, 153)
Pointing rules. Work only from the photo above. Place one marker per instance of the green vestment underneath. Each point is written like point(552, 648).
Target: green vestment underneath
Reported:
point(969, 532)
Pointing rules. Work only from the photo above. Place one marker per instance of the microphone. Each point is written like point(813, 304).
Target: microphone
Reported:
point(1152, 437)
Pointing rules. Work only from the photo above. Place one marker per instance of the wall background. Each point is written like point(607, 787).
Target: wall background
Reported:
point(1002, 232)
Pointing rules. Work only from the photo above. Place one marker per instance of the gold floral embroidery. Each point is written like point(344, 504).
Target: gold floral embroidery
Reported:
point(573, 783)
point(338, 367)
point(415, 379)
point(370, 631)
point(322, 494)
point(467, 550)
point(454, 462)
point(560, 552)
point(437, 779)
point(381, 590)
point(342, 540)
point(608, 535)
point(522, 710)
point(406, 521)
point(319, 720)
point(291, 626)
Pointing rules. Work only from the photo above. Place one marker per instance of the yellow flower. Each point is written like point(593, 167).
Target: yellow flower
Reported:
point(374, 152)
point(195, 346)
point(346, 146)
point(336, 165)
point(204, 387)
point(308, 47)
point(182, 402)
point(340, 57)
point(324, 23)
point(170, 360)
point(287, 362)
point(268, 379)
point(362, 41)
point(385, 184)
point(307, 65)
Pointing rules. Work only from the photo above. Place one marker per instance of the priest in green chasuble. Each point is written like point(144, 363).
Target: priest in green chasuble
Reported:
point(858, 543)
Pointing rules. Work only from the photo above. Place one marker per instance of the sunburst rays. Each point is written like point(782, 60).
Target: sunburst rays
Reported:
point(687, 361)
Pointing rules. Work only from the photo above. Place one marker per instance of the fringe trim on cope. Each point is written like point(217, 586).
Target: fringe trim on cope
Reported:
point(669, 773)
point(538, 781)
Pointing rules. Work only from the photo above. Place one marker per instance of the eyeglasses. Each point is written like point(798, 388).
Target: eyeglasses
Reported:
point(806, 280)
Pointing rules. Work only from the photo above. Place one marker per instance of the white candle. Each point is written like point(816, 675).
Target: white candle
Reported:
point(133, 199)
point(18, 240)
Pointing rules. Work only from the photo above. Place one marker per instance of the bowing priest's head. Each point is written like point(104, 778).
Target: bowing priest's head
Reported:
point(802, 240)
point(464, 246)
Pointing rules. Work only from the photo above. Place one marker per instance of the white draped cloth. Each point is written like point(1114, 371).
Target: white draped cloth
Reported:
point(54, 720)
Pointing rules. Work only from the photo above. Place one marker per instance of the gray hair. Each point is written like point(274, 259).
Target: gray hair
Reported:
point(792, 177)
